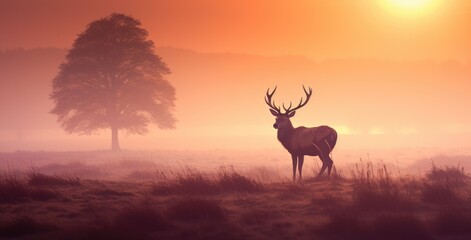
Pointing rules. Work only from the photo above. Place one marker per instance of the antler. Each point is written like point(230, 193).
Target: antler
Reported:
point(271, 103)
point(301, 103)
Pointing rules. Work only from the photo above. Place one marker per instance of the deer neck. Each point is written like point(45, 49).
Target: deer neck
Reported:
point(285, 134)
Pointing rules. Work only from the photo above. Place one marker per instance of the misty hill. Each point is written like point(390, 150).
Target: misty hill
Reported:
point(222, 93)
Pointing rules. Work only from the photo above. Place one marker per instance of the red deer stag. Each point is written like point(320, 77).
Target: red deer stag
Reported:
point(300, 141)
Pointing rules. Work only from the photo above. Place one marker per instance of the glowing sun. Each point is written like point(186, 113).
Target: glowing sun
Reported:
point(411, 7)
point(410, 4)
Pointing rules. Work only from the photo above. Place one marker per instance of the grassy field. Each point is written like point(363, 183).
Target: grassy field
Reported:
point(66, 200)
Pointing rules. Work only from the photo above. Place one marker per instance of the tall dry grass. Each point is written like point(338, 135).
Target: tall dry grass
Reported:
point(39, 179)
point(373, 188)
point(445, 185)
point(191, 181)
point(16, 187)
point(13, 188)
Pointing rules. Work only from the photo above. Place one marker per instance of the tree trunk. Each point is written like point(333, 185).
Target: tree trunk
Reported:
point(114, 139)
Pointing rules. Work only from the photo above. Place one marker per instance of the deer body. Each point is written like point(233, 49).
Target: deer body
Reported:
point(301, 141)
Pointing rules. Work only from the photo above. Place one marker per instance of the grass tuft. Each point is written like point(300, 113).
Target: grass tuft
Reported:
point(12, 188)
point(193, 182)
point(444, 185)
point(231, 181)
point(39, 179)
point(447, 175)
point(374, 189)
point(439, 194)
point(190, 181)
point(16, 190)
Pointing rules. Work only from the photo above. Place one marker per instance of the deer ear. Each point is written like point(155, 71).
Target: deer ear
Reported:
point(291, 114)
point(274, 113)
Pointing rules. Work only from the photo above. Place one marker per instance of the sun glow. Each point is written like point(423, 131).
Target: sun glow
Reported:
point(410, 3)
point(411, 7)
point(344, 130)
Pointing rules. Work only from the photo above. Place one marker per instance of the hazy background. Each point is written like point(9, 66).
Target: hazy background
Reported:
point(384, 77)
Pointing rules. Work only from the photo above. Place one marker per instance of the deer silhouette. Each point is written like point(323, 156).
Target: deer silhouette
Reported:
point(301, 141)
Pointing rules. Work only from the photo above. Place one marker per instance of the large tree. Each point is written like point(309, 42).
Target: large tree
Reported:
point(112, 79)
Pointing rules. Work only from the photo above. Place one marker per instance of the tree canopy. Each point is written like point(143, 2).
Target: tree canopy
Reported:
point(112, 78)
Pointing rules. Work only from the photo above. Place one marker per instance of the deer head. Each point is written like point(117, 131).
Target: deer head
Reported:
point(282, 119)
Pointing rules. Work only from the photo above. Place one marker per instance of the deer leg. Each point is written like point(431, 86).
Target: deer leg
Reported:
point(295, 162)
point(327, 159)
point(321, 156)
point(326, 163)
point(324, 166)
point(329, 164)
point(300, 166)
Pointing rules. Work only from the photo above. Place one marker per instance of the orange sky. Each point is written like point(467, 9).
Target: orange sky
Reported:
point(315, 28)
point(384, 75)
